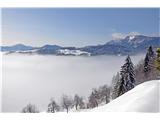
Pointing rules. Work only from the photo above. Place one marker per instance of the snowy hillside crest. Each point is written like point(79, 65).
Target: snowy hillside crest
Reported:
point(143, 98)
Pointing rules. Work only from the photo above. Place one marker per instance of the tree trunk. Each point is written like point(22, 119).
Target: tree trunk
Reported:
point(106, 100)
point(76, 107)
point(96, 104)
point(67, 110)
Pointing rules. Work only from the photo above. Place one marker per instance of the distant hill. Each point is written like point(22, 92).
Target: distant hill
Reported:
point(17, 47)
point(130, 45)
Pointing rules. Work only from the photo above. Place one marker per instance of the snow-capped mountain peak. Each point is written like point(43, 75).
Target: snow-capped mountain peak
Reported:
point(131, 37)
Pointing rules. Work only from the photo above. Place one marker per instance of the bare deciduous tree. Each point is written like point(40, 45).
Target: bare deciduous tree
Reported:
point(104, 93)
point(30, 109)
point(93, 99)
point(67, 102)
point(78, 102)
point(53, 106)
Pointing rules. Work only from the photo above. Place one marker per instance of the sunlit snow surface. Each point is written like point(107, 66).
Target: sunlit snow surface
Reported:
point(143, 98)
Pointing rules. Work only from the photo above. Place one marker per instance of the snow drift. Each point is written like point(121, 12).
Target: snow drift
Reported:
point(143, 98)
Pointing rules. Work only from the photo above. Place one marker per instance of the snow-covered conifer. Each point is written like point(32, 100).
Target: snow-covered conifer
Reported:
point(127, 80)
point(148, 61)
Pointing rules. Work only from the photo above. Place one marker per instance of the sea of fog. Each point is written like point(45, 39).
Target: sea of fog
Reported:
point(0, 82)
point(36, 79)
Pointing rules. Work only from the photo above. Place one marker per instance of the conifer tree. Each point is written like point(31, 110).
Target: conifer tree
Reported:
point(127, 80)
point(148, 61)
point(158, 59)
point(115, 86)
point(150, 51)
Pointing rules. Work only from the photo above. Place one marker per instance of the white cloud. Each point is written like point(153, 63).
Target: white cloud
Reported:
point(133, 33)
point(117, 36)
point(155, 35)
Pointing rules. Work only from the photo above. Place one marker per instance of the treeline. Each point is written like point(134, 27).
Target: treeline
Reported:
point(125, 80)
point(97, 96)
point(148, 69)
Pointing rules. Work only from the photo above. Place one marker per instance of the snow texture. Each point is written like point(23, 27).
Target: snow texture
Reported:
point(131, 37)
point(143, 98)
point(73, 52)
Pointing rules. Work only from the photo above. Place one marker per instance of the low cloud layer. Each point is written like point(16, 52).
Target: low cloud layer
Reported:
point(35, 79)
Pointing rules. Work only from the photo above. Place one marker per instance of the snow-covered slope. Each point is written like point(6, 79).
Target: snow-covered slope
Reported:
point(143, 98)
point(72, 52)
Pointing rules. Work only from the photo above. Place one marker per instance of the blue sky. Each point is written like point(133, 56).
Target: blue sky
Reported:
point(75, 26)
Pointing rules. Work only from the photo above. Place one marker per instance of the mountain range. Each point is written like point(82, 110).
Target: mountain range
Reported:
point(131, 45)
